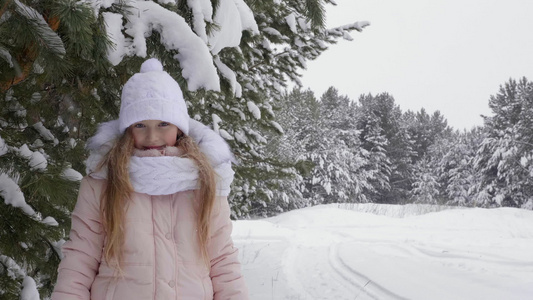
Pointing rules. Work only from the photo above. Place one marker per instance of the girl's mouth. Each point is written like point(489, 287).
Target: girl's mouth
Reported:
point(154, 147)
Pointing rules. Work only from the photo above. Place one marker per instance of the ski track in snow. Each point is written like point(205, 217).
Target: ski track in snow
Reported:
point(328, 276)
point(308, 254)
point(366, 288)
point(290, 258)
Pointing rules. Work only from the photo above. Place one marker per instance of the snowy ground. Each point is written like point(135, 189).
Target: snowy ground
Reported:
point(388, 252)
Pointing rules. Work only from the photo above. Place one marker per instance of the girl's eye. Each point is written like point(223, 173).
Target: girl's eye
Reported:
point(139, 125)
point(163, 124)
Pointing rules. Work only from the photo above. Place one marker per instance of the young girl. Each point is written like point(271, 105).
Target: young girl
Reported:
point(152, 220)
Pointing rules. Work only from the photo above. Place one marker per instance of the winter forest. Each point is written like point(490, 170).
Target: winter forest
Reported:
point(63, 63)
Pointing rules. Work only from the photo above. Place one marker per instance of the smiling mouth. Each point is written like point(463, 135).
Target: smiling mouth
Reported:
point(154, 147)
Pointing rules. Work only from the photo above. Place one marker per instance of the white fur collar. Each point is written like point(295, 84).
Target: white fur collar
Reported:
point(209, 142)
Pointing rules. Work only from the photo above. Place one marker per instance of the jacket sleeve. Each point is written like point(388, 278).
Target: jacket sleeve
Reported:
point(82, 252)
point(228, 282)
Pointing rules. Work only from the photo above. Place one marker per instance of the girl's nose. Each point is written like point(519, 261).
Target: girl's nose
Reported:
point(152, 135)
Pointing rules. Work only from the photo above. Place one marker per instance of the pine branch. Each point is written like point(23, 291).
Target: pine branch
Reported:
point(264, 62)
point(316, 13)
point(4, 8)
point(42, 33)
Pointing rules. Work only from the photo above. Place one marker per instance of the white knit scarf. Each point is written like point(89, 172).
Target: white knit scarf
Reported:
point(164, 175)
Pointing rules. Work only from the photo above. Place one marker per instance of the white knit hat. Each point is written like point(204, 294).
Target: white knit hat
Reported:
point(153, 95)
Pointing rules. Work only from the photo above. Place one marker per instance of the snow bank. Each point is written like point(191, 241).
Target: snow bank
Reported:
point(392, 210)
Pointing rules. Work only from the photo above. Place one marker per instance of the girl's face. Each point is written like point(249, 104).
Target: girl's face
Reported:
point(154, 134)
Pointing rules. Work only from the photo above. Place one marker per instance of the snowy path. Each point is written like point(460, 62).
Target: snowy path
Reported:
point(329, 253)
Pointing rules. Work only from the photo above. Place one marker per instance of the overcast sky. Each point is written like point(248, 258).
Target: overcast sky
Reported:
point(446, 55)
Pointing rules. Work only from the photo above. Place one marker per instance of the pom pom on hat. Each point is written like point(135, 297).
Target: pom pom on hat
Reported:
point(153, 94)
point(150, 65)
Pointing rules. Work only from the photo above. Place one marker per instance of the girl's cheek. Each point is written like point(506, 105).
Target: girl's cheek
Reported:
point(137, 139)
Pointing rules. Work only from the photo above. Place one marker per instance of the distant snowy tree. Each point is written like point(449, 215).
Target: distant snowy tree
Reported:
point(449, 160)
point(321, 138)
point(428, 135)
point(373, 149)
point(425, 129)
point(425, 183)
point(302, 141)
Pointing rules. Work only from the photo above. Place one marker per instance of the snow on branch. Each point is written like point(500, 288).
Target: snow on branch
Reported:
point(193, 54)
point(10, 191)
point(230, 75)
point(29, 289)
point(202, 12)
point(45, 133)
point(232, 17)
point(3, 147)
point(71, 174)
point(291, 21)
point(144, 17)
point(254, 109)
point(36, 159)
point(113, 27)
point(194, 45)
point(340, 31)
point(277, 126)
point(14, 271)
point(6, 56)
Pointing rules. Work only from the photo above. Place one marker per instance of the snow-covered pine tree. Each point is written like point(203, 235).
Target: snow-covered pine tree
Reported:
point(430, 136)
point(345, 161)
point(296, 112)
point(485, 167)
point(52, 57)
point(504, 157)
point(383, 131)
point(524, 143)
point(458, 165)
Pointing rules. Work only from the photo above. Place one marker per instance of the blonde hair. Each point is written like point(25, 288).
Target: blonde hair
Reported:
point(118, 190)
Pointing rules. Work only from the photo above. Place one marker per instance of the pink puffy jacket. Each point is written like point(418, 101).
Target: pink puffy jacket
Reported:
point(162, 259)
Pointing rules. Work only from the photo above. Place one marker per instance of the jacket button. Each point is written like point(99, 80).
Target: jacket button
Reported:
point(168, 236)
point(171, 283)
